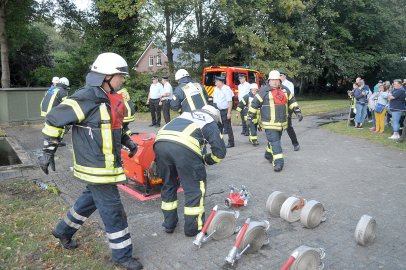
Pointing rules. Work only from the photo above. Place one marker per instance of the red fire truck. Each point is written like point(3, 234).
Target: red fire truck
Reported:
point(231, 75)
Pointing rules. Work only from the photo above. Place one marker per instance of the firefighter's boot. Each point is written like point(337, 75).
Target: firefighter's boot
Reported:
point(66, 242)
point(254, 142)
point(131, 264)
point(268, 156)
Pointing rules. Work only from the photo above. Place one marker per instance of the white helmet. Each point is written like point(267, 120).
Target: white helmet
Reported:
point(274, 75)
point(64, 81)
point(181, 73)
point(253, 86)
point(109, 64)
point(215, 113)
point(55, 79)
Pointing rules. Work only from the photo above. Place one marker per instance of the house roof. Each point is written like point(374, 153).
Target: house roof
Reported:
point(146, 49)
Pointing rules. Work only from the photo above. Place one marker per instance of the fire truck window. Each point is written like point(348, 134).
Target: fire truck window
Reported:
point(235, 78)
point(262, 82)
point(252, 77)
point(209, 78)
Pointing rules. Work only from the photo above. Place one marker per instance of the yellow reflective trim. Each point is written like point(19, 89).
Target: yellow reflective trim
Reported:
point(168, 206)
point(52, 131)
point(277, 156)
point(190, 129)
point(200, 217)
point(76, 108)
point(194, 211)
point(294, 104)
point(244, 102)
point(252, 110)
point(215, 159)
point(43, 113)
point(129, 119)
point(239, 109)
point(180, 137)
point(98, 171)
point(51, 101)
point(128, 132)
point(201, 93)
point(259, 97)
point(106, 136)
point(100, 179)
point(290, 96)
point(253, 137)
point(186, 89)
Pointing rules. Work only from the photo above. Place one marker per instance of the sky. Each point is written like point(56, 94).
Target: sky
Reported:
point(83, 4)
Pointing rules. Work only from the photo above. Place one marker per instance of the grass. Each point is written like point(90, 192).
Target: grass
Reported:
point(27, 215)
point(365, 133)
point(2, 133)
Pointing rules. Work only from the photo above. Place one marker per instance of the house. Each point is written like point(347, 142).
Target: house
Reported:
point(154, 59)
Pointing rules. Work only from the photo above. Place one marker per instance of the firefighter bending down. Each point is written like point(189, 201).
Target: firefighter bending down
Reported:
point(274, 104)
point(96, 112)
point(244, 106)
point(178, 154)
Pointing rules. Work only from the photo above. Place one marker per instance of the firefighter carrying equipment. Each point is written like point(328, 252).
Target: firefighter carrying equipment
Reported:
point(365, 230)
point(178, 153)
point(312, 214)
point(189, 96)
point(53, 97)
point(274, 203)
point(96, 144)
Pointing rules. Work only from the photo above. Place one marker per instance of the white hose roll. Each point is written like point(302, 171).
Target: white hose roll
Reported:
point(286, 210)
point(308, 259)
point(223, 225)
point(365, 230)
point(274, 203)
point(312, 214)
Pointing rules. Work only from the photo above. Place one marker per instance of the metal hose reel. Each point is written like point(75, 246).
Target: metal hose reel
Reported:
point(365, 230)
point(312, 214)
point(274, 203)
point(291, 209)
point(223, 225)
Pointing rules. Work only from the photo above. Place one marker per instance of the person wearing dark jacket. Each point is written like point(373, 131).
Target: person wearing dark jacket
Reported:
point(188, 95)
point(54, 96)
point(96, 113)
point(180, 161)
point(243, 106)
point(361, 105)
point(397, 107)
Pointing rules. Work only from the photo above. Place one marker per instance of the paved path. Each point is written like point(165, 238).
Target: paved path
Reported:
point(351, 177)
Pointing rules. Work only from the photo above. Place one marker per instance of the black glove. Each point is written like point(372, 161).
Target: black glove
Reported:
point(47, 158)
point(299, 116)
point(132, 146)
point(259, 128)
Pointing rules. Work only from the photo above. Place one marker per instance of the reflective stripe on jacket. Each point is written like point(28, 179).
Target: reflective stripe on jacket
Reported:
point(189, 96)
point(53, 97)
point(96, 146)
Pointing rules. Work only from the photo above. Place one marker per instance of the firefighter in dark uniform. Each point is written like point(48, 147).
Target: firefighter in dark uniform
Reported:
point(130, 110)
point(188, 95)
point(96, 113)
point(178, 154)
point(274, 103)
point(243, 107)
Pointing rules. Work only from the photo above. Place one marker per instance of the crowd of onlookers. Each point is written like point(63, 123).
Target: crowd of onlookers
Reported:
point(383, 104)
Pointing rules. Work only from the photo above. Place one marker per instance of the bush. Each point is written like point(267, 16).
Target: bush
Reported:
point(138, 88)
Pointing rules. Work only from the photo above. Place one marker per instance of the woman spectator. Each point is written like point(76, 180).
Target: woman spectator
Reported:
point(361, 106)
point(382, 96)
point(397, 107)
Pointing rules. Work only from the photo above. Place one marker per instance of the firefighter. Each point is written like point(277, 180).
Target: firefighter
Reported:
point(178, 154)
point(55, 81)
point(130, 110)
point(243, 89)
point(243, 107)
point(274, 103)
point(96, 112)
point(188, 95)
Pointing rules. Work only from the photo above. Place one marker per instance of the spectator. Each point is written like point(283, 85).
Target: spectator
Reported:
point(397, 107)
point(376, 87)
point(166, 98)
point(155, 91)
point(382, 96)
point(360, 95)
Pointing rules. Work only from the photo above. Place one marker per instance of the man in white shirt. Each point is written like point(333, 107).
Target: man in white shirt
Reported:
point(223, 100)
point(243, 89)
point(154, 98)
point(291, 132)
point(166, 98)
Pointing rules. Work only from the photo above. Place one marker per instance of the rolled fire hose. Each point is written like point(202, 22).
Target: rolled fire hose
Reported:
point(365, 230)
point(223, 225)
point(312, 214)
point(291, 209)
point(274, 203)
point(256, 236)
point(305, 258)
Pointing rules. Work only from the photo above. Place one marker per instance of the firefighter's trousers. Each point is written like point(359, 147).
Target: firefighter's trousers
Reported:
point(178, 165)
point(291, 131)
point(274, 149)
point(243, 115)
point(106, 199)
point(252, 128)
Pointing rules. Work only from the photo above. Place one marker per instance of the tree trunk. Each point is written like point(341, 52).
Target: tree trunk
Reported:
point(168, 39)
point(199, 25)
point(5, 68)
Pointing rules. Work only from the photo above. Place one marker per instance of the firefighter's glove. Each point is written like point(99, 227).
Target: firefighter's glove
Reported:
point(132, 146)
point(298, 113)
point(47, 158)
point(259, 128)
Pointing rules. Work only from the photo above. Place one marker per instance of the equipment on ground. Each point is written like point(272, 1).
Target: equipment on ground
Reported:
point(250, 239)
point(237, 197)
point(140, 168)
point(291, 209)
point(312, 214)
point(274, 203)
point(219, 225)
point(305, 258)
point(365, 230)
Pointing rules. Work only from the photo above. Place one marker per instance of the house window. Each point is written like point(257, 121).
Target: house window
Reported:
point(151, 61)
point(158, 60)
